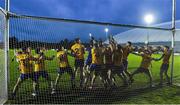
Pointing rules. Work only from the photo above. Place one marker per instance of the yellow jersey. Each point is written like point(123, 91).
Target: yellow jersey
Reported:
point(118, 58)
point(97, 56)
point(146, 61)
point(63, 59)
point(78, 50)
point(126, 51)
point(25, 65)
point(39, 63)
point(167, 55)
point(108, 56)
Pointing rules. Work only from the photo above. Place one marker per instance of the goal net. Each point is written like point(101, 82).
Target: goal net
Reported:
point(50, 34)
point(3, 76)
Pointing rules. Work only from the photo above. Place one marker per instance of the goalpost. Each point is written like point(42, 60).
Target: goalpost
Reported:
point(3, 56)
point(6, 15)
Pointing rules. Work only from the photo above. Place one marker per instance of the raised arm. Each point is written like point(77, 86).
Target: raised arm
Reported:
point(138, 54)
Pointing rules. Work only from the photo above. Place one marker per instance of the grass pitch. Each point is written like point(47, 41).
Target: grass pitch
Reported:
point(138, 93)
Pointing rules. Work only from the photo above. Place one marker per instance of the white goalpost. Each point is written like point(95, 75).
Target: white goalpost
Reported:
point(5, 16)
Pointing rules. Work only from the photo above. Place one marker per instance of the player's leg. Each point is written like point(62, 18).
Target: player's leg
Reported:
point(122, 75)
point(134, 73)
point(125, 63)
point(166, 74)
point(76, 63)
point(45, 75)
point(87, 75)
point(102, 73)
point(60, 72)
point(93, 75)
point(148, 73)
point(81, 76)
point(109, 76)
point(161, 75)
point(80, 64)
point(35, 83)
point(72, 74)
point(18, 83)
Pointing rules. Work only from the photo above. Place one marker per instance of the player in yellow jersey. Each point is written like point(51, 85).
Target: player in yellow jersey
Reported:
point(78, 51)
point(108, 61)
point(25, 68)
point(165, 64)
point(64, 66)
point(96, 66)
point(118, 67)
point(126, 51)
point(40, 70)
point(144, 66)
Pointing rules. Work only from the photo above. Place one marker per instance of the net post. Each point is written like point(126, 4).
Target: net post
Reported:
point(173, 36)
point(7, 8)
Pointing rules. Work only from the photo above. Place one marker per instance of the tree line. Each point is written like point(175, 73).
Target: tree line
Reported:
point(14, 43)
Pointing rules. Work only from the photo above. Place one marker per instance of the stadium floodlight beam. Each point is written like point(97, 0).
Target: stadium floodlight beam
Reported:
point(106, 30)
point(149, 18)
point(90, 35)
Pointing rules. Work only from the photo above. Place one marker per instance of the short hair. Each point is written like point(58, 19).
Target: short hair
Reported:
point(95, 44)
point(37, 50)
point(24, 49)
point(119, 46)
point(77, 39)
point(166, 47)
point(129, 42)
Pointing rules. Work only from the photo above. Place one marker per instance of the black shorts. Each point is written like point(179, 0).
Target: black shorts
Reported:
point(118, 69)
point(125, 63)
point(108, 66)
point(164, 67)
point(95, 67)
point(62, 70)
point(142, 70)
point(79, 63)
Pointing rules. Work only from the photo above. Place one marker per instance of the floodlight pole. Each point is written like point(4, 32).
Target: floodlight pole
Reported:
point(7, 8)
point(173, 36)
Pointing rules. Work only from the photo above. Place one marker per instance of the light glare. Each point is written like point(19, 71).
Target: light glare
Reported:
point(149, 19)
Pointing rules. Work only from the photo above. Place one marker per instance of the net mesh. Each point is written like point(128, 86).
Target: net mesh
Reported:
point(3, 87)
point(51, 34)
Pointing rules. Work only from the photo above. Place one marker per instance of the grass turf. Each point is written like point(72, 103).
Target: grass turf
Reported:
point(138, 93)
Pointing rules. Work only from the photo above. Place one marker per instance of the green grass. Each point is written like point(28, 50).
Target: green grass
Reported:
point(138, 93)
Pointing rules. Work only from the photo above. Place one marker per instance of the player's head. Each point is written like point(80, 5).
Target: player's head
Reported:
point(128, 43)
point(38, 50)
point(100, 43)
point(60, 48)
point(108, 48)
point(42, 49)
point(118, 47)
point(147, 52)
point(95, 45)
point(24, 49)
point(166, 48)
point(29, 49)
point(19, 52)
point(77, 40)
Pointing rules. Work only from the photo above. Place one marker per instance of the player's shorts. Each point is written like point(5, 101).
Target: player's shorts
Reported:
point(118, 69)
point(88, 62)
point(26, 76)
point(62, 70)
point(125, 63)
point(164, 67)
point(95, 67)
point(108, 66)
point(42, 73)
point(79, 63)
point(142, 70)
